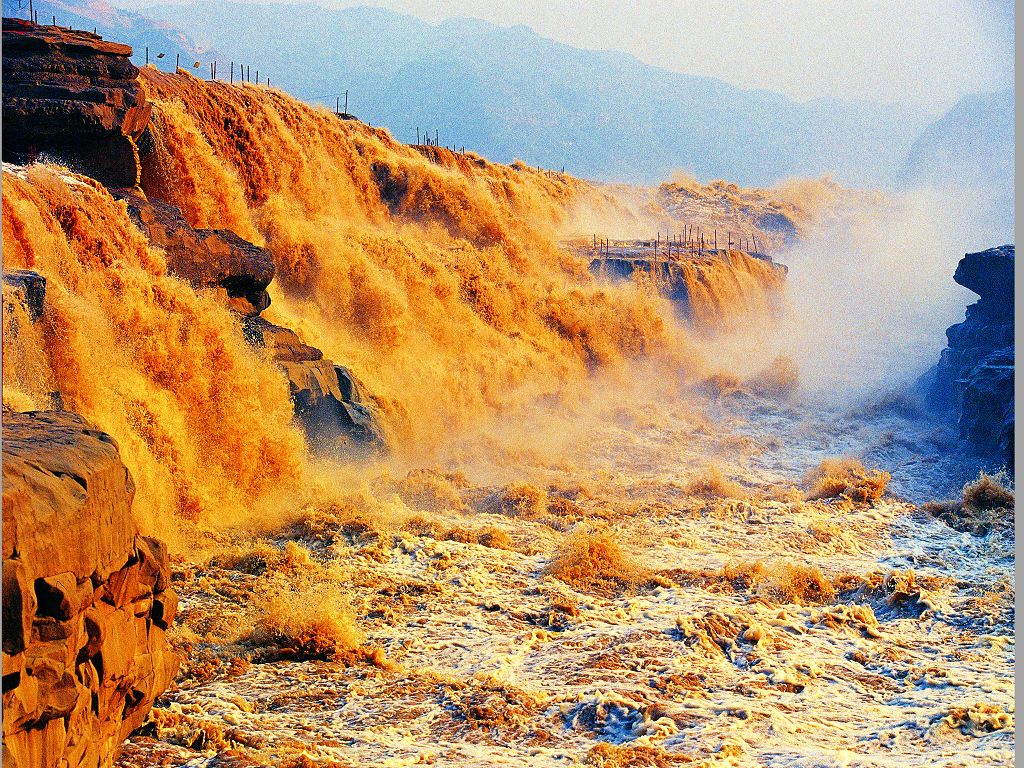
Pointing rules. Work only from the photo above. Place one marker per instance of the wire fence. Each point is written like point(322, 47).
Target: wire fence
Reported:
point(245, 72)
point(240, 72)
point(692, 241)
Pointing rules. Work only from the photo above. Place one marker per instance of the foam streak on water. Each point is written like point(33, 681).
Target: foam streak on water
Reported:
point(498, 662)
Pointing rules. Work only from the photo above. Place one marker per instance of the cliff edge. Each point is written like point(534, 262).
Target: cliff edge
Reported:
point(86, 599)
point(973, 381)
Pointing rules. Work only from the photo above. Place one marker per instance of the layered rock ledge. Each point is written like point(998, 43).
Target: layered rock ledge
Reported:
point(327, 398)
point(86, 599)
point(74, 97)
point(206, 258)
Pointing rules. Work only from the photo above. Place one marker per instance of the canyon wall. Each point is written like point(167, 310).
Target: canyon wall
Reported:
point(973, 381)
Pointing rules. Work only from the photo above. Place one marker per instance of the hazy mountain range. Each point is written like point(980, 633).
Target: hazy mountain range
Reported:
point(971, 145)
point(509, 93)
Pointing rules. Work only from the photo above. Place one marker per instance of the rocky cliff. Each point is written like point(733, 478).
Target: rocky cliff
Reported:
point(74, 97)
point(86, 599)
point(328, 400)
point(206, 258)
point(973, 381)
point(714, 289)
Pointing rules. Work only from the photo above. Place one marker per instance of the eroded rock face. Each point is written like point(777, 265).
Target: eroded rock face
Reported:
point(73, 96)
point(973, 381)
point(28, 288)
point(326, 397)
point(207, 258)
point(86, 599)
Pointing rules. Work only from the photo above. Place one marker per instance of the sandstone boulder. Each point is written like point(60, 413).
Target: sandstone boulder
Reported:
point(207, 258)
point(327, 398)
point(73, 96)
point(86, 599)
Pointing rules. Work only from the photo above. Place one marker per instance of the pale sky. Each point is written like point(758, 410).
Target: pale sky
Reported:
point(929, 52)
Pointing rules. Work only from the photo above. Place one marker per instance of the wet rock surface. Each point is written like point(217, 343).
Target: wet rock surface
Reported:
point(327, 398)
point(28, 289)
point(206, 258)
point(973, 381)
point(701, 283)
point(86, 599)
point(73, 96)
point(669, 274)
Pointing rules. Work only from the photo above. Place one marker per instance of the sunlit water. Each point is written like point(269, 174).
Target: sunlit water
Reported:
point(500, 663)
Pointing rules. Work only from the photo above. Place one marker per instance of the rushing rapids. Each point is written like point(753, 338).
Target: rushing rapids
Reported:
point(590, 544)
point(437, 279)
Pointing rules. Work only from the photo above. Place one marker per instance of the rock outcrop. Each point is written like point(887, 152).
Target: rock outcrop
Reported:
point(72, 96)
point(86, 599)
point(973, 381)
point(669, 274)
point(207, 258)
point(28, 289)
point(327, 398)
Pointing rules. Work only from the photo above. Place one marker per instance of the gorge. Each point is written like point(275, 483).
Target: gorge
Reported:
point(320, 448)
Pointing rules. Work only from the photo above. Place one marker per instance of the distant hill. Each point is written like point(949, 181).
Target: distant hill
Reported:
point(509, 93)
point(970, 151)
point(971, 145)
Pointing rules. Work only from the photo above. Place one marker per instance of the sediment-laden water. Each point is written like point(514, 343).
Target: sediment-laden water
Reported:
point(603, 535)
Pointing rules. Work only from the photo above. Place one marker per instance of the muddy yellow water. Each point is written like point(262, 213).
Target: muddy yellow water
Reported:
point(598, 537)
point(596, 593)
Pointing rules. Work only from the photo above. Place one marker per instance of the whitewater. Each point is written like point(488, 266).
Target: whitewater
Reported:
point(603, 533)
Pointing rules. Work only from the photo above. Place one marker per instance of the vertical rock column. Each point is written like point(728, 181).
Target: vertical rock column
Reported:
point(973, 382)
